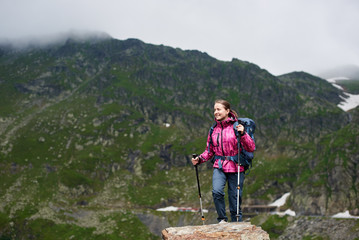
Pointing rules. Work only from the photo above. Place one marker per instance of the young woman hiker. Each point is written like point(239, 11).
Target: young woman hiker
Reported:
point(222, 144)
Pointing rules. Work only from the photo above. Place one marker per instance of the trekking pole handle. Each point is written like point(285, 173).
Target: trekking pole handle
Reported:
point(194, 155)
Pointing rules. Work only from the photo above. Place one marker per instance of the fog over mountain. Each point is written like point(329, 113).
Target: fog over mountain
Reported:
point(280, 36)
point(53, 39)
point(346, 71)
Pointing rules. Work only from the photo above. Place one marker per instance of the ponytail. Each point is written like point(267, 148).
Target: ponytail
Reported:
point(234, 113)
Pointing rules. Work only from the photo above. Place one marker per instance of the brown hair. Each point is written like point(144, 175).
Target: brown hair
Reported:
point(226, 105)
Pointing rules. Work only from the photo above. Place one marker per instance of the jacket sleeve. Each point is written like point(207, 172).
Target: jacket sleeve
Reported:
point(248, 143)
point(207, 155)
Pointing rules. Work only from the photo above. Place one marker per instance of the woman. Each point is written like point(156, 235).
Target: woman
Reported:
point(223, 146)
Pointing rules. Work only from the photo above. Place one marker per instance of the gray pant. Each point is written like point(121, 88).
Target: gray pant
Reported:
point(219, 181)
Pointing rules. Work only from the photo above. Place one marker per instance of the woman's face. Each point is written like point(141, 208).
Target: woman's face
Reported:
point(220, 113)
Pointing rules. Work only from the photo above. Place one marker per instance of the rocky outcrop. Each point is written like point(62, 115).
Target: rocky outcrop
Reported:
point(321, 228)
point(243, 230)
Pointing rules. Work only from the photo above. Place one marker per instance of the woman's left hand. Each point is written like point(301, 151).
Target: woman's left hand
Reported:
point(240, 128)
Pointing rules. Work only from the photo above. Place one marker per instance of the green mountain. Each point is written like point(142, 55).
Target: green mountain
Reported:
point(96, 134)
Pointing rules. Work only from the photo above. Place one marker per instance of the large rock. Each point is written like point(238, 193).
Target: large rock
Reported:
point(242, 230)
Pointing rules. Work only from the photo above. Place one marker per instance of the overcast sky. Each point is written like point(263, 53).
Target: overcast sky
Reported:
point(278, 35)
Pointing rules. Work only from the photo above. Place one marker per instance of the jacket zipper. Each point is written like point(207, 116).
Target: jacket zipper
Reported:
point(222, 139)
point(217, 140)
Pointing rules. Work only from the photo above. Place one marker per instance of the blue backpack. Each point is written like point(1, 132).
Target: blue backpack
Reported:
point(250, 127)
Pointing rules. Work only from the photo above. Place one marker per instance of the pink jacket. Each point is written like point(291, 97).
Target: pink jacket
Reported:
point(224, 143)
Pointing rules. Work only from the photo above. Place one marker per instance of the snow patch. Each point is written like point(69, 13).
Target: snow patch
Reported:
point(167, 209)
point(180, 209)
point(286, 212)
point(281, 201)
point(348, 103)
point(345, 214)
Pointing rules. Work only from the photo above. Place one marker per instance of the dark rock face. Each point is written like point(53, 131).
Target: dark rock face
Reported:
point(323, 228)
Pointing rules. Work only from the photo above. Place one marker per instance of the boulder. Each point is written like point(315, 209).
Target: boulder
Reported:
point(242, 230)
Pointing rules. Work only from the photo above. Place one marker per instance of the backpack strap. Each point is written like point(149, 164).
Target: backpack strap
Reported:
point(235, 129)
point(210, 135)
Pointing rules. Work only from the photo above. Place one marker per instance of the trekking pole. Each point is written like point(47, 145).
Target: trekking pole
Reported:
point(238, 174)
point(199, 189)
point(238, 188)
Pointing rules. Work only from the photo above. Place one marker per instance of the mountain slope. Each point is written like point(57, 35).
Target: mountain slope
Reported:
point(95, 134)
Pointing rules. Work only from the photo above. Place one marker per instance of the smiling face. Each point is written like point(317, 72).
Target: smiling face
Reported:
point(220, 112)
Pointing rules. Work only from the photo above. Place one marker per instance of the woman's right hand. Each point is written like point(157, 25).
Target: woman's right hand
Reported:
point(195, 161)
